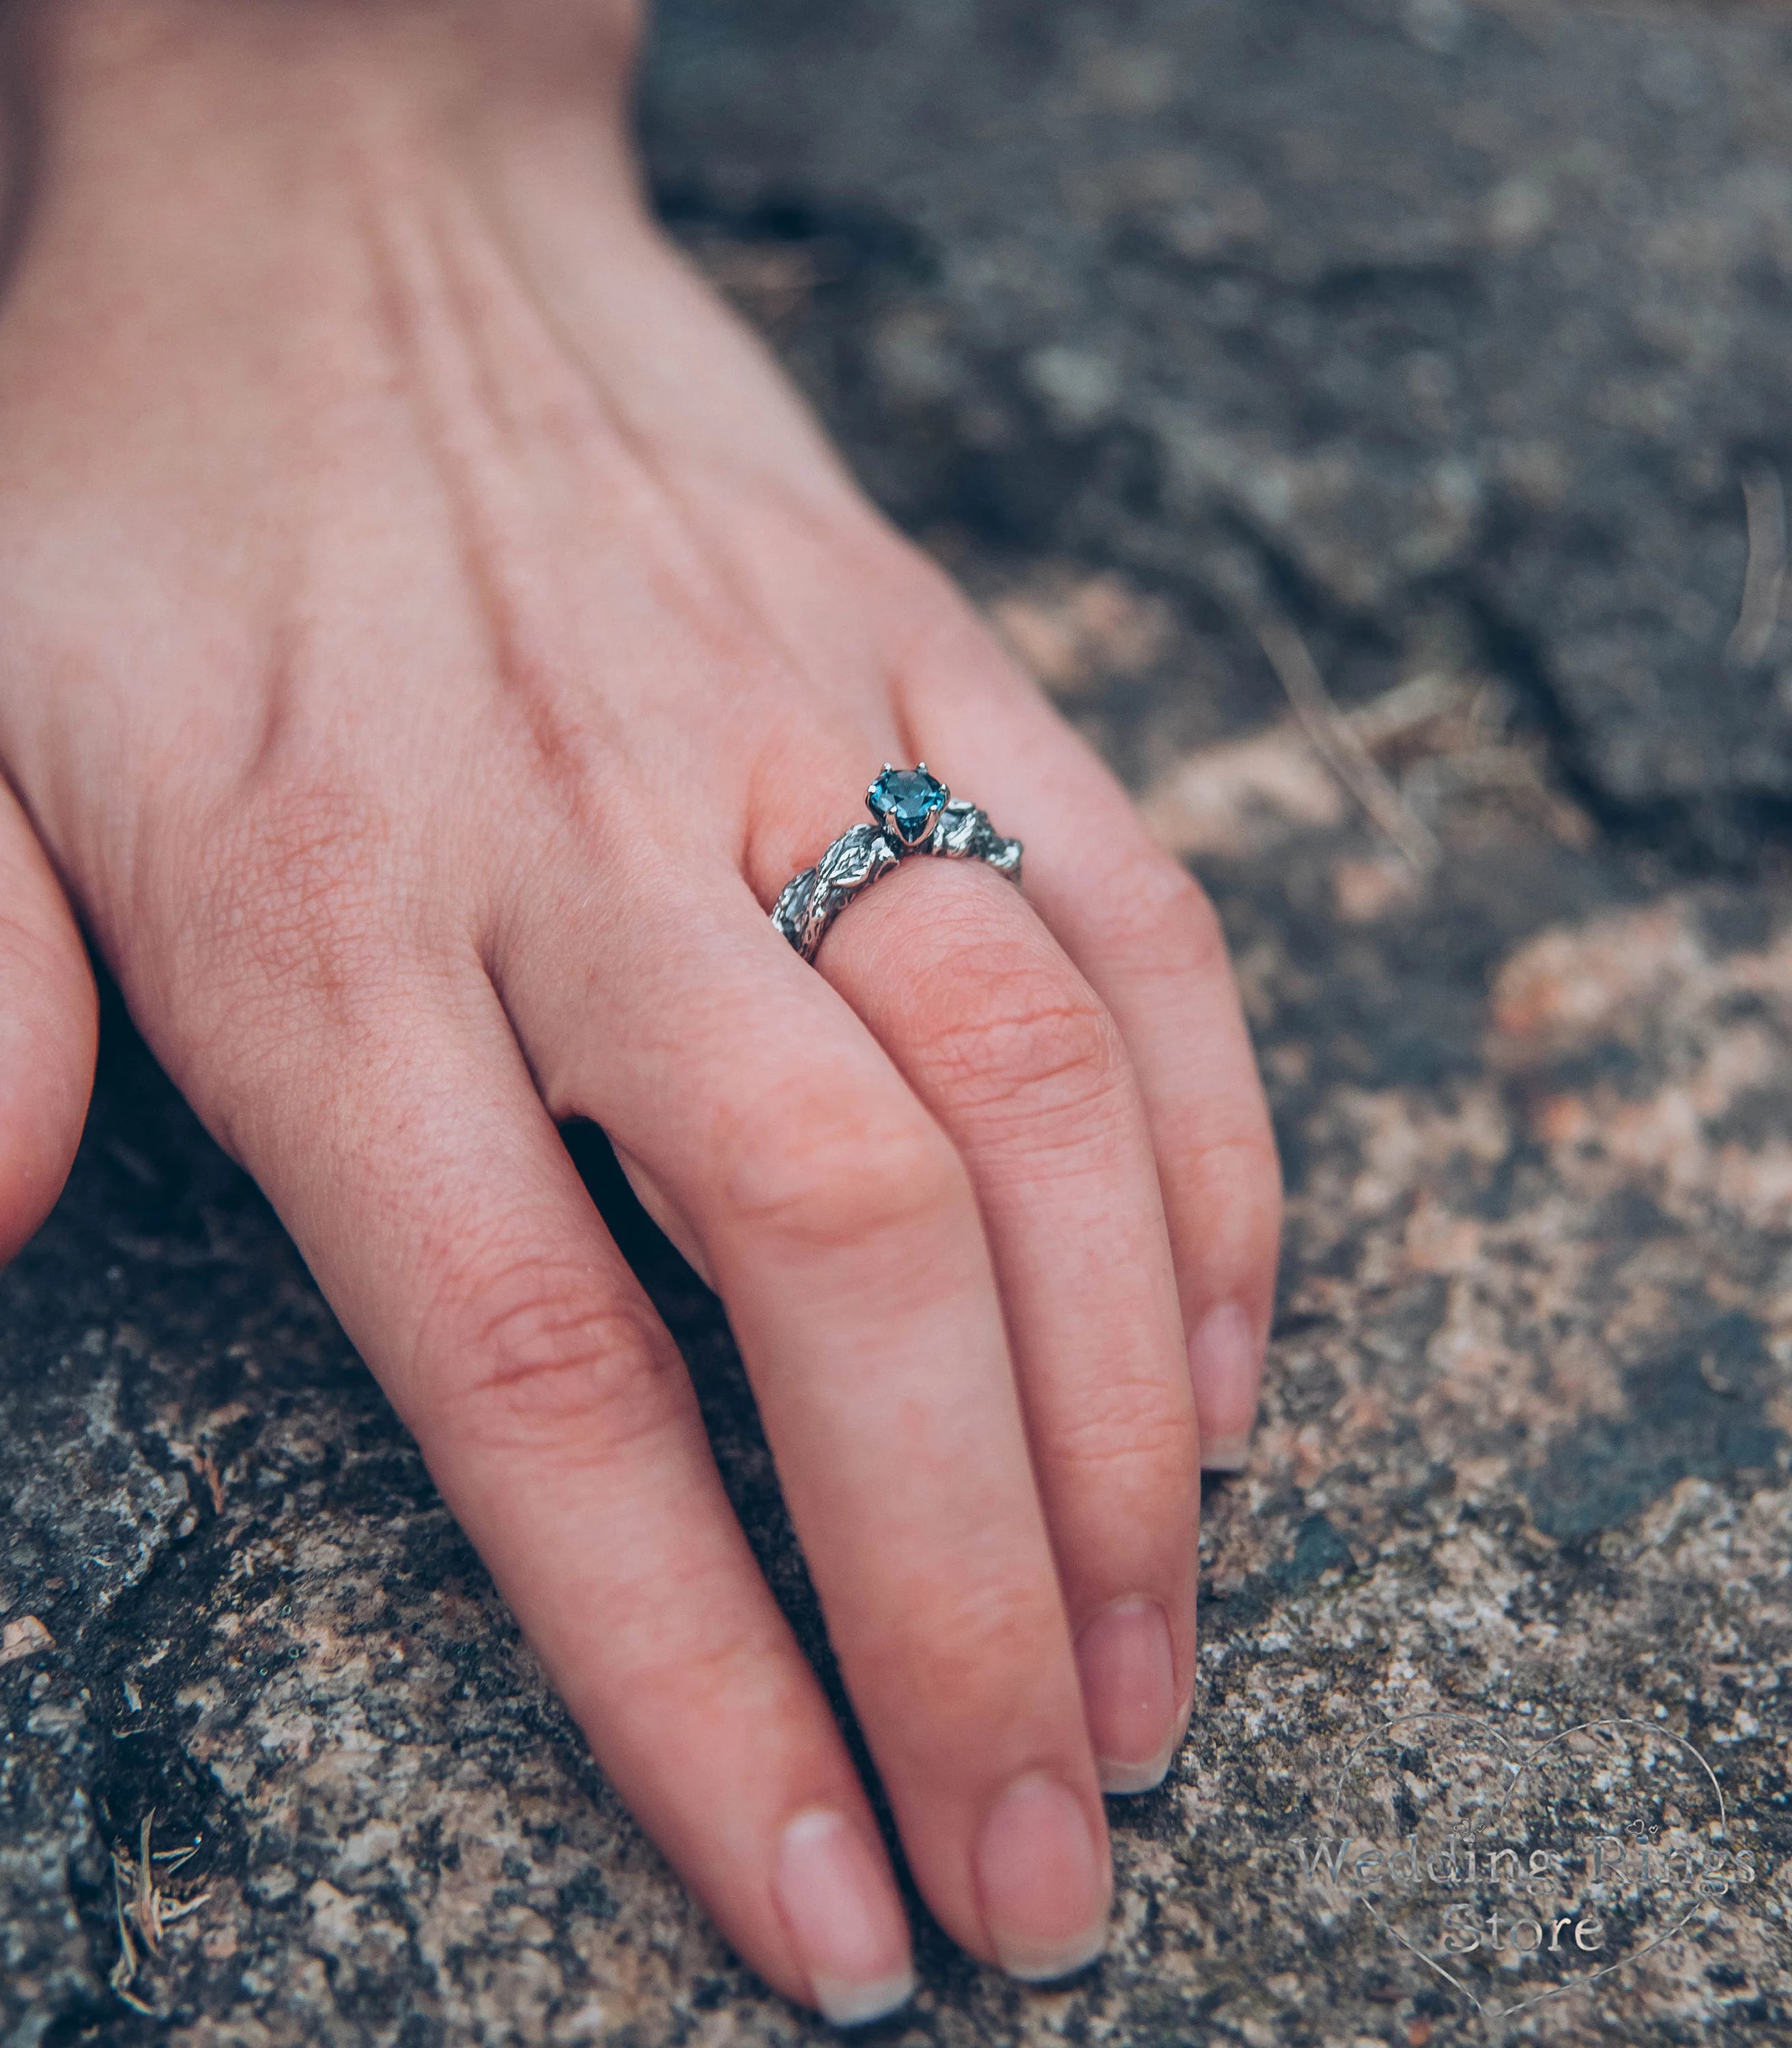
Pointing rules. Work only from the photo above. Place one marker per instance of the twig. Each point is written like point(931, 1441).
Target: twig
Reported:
point(1764, 500)
point(124, 1971)
point(148, 1906)
point(1341, 747)
point(144, 1906)
point(171, 1913)
point(1408, 708)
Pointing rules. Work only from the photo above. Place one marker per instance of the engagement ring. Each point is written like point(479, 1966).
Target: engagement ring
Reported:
point(915, 813)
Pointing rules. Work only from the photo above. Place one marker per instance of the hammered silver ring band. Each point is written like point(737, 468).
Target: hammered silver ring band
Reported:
point(913, 813)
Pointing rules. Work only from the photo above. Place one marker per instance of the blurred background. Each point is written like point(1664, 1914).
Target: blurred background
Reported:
point(1370, 420)
point(1455, 333)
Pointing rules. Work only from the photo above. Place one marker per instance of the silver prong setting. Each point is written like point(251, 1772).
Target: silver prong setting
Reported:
point(907, 803)
point(938, 824)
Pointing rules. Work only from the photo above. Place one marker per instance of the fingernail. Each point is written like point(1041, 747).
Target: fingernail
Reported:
point(843, 1919)
point(1044, 1883)
point(1129, 1694)
point(1227, 1366)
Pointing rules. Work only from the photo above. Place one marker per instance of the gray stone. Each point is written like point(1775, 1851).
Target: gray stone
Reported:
point(1404, 305)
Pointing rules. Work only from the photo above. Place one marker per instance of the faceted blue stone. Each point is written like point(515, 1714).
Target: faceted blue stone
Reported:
point(906, 800)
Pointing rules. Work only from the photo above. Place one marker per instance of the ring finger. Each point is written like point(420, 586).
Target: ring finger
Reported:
point(1142, 931)
point(1010, 1048)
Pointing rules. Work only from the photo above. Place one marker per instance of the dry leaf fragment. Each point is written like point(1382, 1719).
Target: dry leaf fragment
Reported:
point(24, 1637)
point(1341, 746)
point(1072, 632)
point(202, 1462)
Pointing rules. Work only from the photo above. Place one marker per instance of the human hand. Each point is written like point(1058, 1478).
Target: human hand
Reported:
point(435, 635)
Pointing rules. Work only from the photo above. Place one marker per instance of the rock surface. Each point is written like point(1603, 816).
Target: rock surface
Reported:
point(1441, 341)
point(1440, 324)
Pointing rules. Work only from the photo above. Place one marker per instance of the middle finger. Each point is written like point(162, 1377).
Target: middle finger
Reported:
point(845, 1238)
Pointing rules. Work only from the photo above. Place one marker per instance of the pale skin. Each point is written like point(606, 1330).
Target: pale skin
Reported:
point(434, 634)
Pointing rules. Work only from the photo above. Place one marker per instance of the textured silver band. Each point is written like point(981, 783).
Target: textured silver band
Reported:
point(812, 902)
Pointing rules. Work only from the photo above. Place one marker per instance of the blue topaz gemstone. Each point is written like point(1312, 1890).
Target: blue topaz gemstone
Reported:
point(905, 801)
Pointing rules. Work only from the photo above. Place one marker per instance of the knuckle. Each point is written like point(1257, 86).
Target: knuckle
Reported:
point(694, 1676)
point(1230, 1197)
point(271, 936)
point(1027, 1031)
point(839, 1175)
point(1138, 1433)
point(1160, 916)
point(286, 893)
point(972, 1650)
point(521, 1358)
point(1235, 1154)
